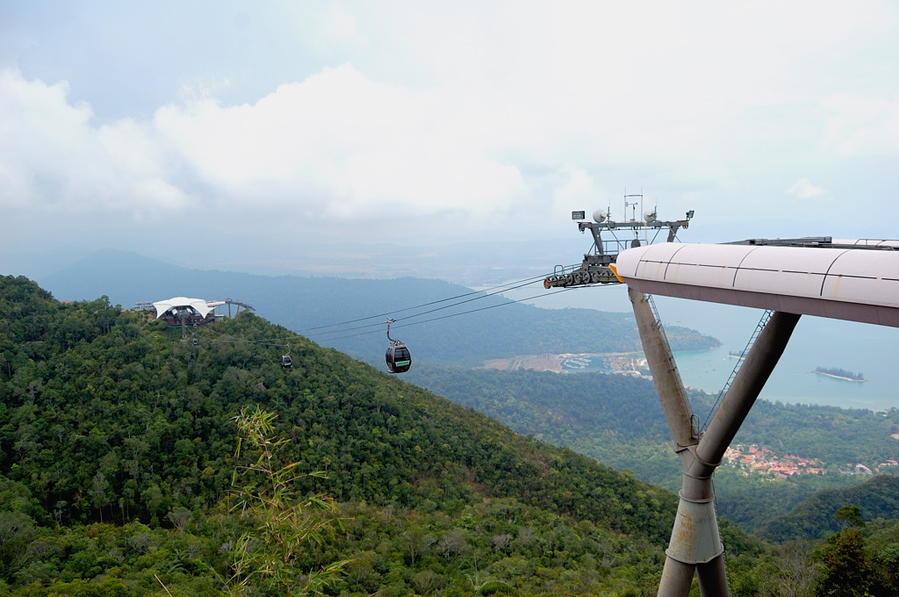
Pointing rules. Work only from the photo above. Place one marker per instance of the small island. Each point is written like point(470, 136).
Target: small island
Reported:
point(841, 374)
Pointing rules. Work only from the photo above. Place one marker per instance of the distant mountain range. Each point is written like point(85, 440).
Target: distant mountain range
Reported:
point(441, 322)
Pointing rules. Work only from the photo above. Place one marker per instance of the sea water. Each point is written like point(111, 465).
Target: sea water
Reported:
point(816, 342)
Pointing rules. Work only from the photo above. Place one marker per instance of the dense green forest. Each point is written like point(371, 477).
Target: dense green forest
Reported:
point(877, 498)
point(120, 474)
point(109, 417)
point(618, 421)
point(592, 414)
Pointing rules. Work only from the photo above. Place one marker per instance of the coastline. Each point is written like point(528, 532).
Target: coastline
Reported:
point(624, 363)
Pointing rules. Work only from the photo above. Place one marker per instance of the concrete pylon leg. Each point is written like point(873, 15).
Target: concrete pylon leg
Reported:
point(692, 515)
point(695, 546)
point(676, 579)
point(667, 380)
point(712, 578)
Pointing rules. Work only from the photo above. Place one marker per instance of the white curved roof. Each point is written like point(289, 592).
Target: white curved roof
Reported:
point(179, 302)
point(840, 283)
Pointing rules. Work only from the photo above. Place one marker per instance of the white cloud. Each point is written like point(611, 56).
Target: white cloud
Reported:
point(804, 189)
point(862, 126)
point(578, 193)
point(342, 143)
point(471, 115)
point(335, 145)
point(639, 80)
point(39, 135)
point(52, 157)
point(341, 24)
point(203, 89)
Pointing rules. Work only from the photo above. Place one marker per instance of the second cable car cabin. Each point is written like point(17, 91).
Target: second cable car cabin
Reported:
point(398, 357)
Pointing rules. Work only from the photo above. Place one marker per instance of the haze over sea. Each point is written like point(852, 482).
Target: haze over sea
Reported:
point(816, 342)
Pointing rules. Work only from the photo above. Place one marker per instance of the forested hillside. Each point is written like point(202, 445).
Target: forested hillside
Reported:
point(109, 417)
point(130, 464)
point(876, 498)
point(618, 421)
point(117, 394)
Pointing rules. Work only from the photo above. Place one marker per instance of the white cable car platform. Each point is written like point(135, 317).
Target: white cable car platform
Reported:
point(851, 280)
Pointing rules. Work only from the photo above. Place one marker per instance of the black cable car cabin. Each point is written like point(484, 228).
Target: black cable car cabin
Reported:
point(398, 357)
point(285, 361)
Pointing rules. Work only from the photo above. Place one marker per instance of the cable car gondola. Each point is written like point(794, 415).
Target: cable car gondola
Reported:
point(286, 362)
point(398, 357)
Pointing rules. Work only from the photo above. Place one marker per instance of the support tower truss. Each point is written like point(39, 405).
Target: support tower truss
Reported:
point(595, 268)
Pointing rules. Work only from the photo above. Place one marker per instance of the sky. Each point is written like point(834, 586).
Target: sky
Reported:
point(375, 138)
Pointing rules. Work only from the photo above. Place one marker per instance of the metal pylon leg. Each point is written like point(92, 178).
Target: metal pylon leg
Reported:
point(677, 577)
point(712, 578)
point(695, 545)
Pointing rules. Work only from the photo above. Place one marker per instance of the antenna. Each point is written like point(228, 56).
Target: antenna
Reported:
point(633, 204)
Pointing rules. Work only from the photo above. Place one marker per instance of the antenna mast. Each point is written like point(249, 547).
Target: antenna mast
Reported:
point(633, 204)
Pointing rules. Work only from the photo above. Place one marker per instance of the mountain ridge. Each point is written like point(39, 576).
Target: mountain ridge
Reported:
point(451, 323)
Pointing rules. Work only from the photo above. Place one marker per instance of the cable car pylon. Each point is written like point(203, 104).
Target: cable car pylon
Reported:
point(695, 546)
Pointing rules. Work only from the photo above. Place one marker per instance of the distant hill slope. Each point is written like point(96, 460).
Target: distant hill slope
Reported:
point(104, 413)
point(618, 421)
point(117, 454)
point(497, 327)
point(118, 450)
point(814, 518)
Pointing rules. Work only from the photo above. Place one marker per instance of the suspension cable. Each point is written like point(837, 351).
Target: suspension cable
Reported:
point(456, 304)
point(510, 302)
point(480, 294)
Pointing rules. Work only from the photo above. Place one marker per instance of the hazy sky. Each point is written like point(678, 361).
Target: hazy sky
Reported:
point(227, 132)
